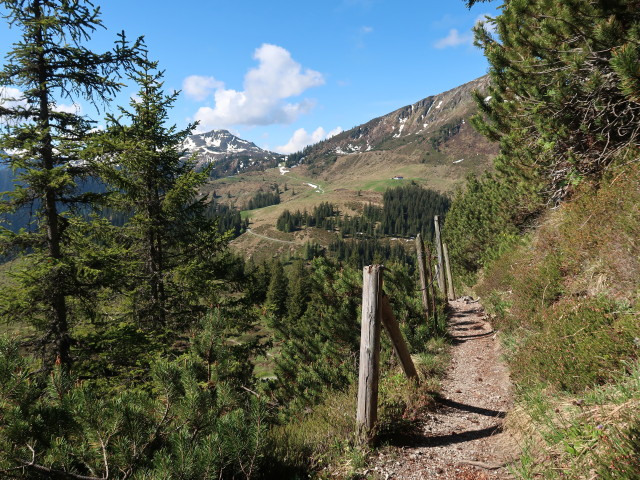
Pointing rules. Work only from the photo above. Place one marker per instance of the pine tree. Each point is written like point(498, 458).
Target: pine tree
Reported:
point(321, 351)
point(563, 103)
point(299, 290)
point(193, 421)
point(175, 250)
point(259, 278)
point(277, 291)
point(563, 100)
point(485, 214)
point(49, 64)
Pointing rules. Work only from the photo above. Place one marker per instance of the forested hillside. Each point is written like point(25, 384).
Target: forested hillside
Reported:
point(551, 236)
point(380, 233)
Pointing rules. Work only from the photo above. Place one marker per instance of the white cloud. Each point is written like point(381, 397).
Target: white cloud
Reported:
point(334, 132)
point(455, 39)
point(198, 87)
point(64, 108)
point(266, 88)
point(361, 35)
point(11, 97)
point(301, 138)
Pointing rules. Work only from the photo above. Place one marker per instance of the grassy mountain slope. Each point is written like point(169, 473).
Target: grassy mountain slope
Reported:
point(419, 142)
point(434, 119)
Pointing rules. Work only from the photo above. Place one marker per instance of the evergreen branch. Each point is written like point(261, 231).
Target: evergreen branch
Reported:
point(104, 457)
point(50, 472)
point(61, 474)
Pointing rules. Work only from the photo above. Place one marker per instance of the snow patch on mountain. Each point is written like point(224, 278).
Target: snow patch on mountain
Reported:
point(219, 145)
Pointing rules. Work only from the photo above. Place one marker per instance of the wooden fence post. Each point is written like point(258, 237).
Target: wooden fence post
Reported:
point(447, 265)
point(397, 340)
point(367, 411)
point(424, 286)
point(441, 276)
point(431, 284)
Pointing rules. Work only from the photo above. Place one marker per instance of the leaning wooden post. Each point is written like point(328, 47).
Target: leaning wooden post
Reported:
point(424, 289)
point(441, 280)
point(447, 265)
point(367, 412)
point(392, 327)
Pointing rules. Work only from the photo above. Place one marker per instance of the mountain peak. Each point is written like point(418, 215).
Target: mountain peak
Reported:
point(229, 153)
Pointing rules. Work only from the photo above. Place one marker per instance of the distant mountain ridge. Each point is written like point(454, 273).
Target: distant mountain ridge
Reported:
point(431, 124)
point(228, 153)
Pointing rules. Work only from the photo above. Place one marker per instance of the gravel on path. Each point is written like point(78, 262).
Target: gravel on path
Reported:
point(464, 438)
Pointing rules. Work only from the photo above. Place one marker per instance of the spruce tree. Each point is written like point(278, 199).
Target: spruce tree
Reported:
point(175, 252)
point(299, 291)
point(485, 215)
point(277, 291)
point(49, 64)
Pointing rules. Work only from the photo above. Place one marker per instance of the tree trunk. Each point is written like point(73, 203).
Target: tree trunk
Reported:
point(59, 324)
point(155, 267)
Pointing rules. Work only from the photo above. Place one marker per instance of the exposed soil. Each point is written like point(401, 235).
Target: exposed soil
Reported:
point(464, 438)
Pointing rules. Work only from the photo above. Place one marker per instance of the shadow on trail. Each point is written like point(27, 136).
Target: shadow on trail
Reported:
point(408, 440)
point(415, 437)
point(467, 329)
point(464, 324)
point(456, 339)
point(471, 409)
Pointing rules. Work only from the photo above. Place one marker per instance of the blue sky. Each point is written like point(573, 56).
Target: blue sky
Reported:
point(283, 74)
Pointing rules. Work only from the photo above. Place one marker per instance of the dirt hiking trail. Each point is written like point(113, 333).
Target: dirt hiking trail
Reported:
point(463, 438)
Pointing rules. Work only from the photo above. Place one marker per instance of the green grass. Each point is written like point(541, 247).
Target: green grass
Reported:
point(395, 143)
point(321, 438)
point(321, 443)
point(16, 330)
point(382, 185)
